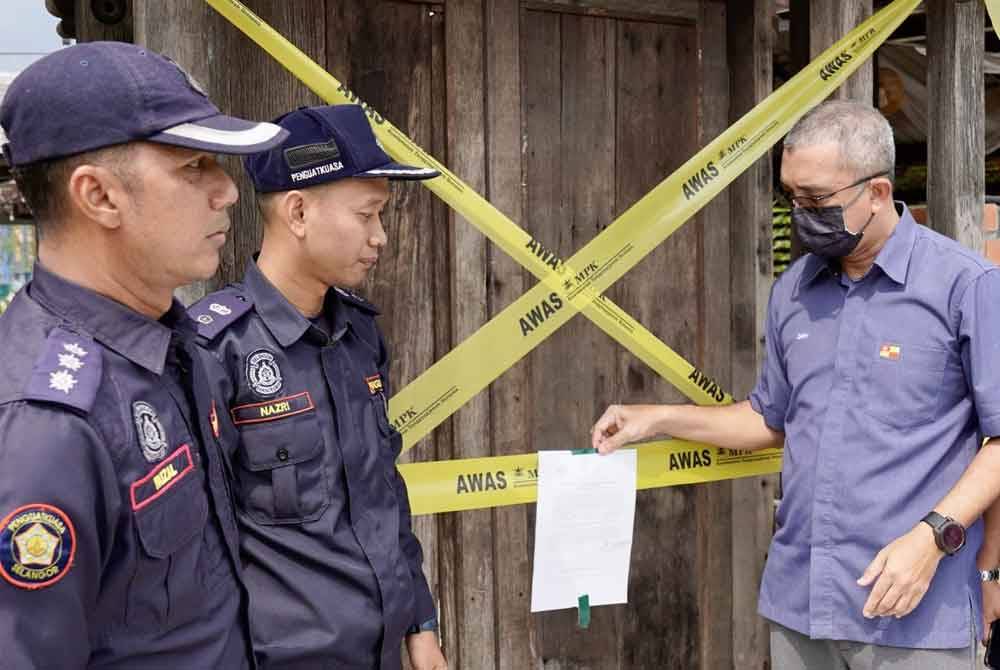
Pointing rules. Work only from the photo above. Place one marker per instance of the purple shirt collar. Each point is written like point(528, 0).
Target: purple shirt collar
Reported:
point(135, 336)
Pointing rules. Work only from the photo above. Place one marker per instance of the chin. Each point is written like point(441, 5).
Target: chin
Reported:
point(205, 269)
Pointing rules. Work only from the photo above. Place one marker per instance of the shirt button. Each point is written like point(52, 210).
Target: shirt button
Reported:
point(282, 454)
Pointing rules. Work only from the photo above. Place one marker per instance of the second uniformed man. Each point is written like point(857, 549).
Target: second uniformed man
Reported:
point(333, 568)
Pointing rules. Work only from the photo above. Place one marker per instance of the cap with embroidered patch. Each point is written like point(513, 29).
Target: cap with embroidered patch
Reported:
point(326, 144)
point(97, 94)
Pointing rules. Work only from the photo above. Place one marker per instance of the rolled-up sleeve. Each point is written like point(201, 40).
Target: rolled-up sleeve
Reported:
point(770, 395)
point(979, 342)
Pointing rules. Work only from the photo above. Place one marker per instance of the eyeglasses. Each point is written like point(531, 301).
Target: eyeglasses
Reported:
point(815, 201)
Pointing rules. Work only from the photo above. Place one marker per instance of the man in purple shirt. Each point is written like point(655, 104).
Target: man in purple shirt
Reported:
point(882, 380)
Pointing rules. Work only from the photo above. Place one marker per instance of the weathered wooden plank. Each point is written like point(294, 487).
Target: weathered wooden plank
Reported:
point(392, 57)
point(464, 40)
point(255, 86)
point(656, 130)
point(112, 21)
point(509, 395)
point(645, 10)
point(570, 77)
point(444, 585)
point(177, 29)
point(956, 136)
point(541, 100)
point(829, 20)
point(713, 501)
point(750, 40)
point(389, 55)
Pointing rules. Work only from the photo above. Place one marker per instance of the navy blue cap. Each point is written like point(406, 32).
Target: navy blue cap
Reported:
point(325, 144)
point(98, 94)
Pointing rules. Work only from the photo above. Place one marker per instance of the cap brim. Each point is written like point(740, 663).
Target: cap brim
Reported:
point(399, 171)
point(223, 134)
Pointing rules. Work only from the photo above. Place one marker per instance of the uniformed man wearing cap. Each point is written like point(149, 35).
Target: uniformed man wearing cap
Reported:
point(118, 544)
point(332, 566)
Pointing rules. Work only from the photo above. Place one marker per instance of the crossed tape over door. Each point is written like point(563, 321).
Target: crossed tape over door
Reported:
point(575, 285)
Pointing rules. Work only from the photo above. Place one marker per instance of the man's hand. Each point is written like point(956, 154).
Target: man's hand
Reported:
point(424, 651)
point(991, 606)
point(904, 570)
point(621, 425)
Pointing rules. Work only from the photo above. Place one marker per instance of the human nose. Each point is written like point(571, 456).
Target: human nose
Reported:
point(224, 194)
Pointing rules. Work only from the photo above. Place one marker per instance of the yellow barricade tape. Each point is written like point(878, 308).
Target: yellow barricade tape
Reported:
point(993, 9)
point(476, 362)
point(477, 483)
point(515, 241)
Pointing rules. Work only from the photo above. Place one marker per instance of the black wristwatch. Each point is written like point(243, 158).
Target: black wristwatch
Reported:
point(949, 535)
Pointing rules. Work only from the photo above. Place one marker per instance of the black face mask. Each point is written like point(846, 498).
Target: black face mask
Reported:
point(822, 231)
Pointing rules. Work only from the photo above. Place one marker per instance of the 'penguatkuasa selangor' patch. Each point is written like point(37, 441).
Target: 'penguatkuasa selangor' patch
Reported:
point(37, 545)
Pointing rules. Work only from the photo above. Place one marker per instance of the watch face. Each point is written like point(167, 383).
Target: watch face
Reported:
point(953, 536)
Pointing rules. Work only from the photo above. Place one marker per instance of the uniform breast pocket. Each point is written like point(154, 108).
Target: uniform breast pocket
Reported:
point(282, 472)
point(903, 384)
point(170, 510)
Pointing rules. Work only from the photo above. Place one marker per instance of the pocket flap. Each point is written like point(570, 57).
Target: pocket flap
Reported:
point(267, 446)
point(170, 522)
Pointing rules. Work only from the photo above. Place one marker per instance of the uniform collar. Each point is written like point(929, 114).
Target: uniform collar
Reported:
point(286, 323)
point(135, 336)
point(893, 259)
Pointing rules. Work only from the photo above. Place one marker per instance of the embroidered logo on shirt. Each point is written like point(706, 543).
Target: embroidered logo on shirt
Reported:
point(37, 545)
point(802, 336)
point(204, 319)
point(221, 310)
point(162, 477)
point(263, 373)
point(273, 409)
point(152, 437)
point(374, 384)
point(890, 352)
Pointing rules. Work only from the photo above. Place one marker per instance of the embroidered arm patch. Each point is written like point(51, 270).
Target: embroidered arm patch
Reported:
point(37, 546)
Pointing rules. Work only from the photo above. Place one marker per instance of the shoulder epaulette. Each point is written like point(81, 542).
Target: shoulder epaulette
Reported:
point(353, 298)
point(68, 370)
point(217, 311)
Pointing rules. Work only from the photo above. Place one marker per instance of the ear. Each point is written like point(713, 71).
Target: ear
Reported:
point(881, 193)
point(293, 209)
point(98, 194)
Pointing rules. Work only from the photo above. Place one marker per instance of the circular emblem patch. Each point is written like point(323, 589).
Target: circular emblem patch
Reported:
point(263, 373)
point(37, 545)
point(152, 437)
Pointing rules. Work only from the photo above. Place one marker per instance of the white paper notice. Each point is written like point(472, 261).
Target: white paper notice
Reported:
point(583, 528)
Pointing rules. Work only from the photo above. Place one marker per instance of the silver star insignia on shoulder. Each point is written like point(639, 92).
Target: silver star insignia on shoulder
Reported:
point(70, 362)
point(75, 349)
point(61, 380)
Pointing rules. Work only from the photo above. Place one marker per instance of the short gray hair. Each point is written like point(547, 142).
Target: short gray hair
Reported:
point(862, 133)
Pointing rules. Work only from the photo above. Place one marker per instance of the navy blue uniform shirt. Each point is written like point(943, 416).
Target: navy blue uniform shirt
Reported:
point(118, 545)
point(884, 388)
point(333, 568)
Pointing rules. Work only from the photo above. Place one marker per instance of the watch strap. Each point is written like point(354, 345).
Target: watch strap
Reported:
point(935, 520)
